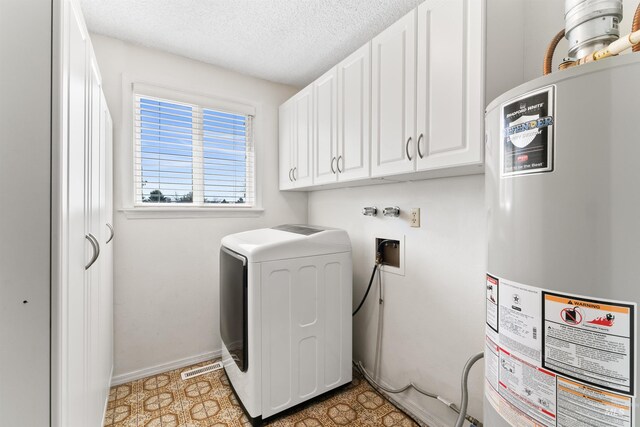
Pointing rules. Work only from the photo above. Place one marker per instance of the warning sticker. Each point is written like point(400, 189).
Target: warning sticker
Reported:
point(590, 340)
point(580, 404)
point(559, 360)
point(510, 413)
point(491, 362)
point(492, 302)
point(529, 388)
point(519, 320)
point(527, 133)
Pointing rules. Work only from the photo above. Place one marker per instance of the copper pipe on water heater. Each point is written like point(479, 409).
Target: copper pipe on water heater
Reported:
point(547, 66)
point(635, 27)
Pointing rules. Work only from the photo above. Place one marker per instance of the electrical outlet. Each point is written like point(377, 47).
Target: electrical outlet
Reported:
point(414, 217)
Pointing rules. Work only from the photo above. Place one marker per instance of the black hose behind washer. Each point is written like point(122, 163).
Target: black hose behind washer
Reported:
point(373, 274)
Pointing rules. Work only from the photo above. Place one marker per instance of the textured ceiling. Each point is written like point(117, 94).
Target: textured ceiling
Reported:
point(286, 41)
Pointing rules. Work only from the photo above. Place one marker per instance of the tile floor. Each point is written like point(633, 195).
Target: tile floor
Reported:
point(165, 400)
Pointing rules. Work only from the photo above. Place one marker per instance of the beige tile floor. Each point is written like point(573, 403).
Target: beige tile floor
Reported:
point(165, 400)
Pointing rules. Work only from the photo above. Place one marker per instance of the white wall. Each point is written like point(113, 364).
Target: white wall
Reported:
point(432, 317)
point(25, 178)
point(166, 269)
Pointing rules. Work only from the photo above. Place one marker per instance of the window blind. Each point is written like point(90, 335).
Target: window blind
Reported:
point(190, 154)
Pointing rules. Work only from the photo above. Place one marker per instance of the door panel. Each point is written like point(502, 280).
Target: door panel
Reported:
point(285, 154)
point(303, 144)
point(95, 404)
point(306, 328)
point(325, 128)
point(393, 98)
point(354, 118)
point(449, 77)
point(106, 282)
point(73, 311)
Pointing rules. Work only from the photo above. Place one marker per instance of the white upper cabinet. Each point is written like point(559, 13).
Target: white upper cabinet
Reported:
point(285, 153)
point(302, 171)
point(325, 128)
point(296, 141)
point(407, 105)
point(450, 84)
point(393, 95)
point(342, 138)
point(354, 117)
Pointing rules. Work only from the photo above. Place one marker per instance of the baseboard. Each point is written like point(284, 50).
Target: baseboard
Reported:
point(164, 367)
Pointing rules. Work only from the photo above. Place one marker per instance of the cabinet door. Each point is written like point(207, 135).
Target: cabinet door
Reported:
point(74, 292)
point(449, 83)
point(393, 98)
point(303, 138)
point(325, 128)
point(96, 382)
point(354, 117)
point(106, 280)
point(285, 154)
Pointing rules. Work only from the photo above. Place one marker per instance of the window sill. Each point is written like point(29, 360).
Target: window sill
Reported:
point(190, 212)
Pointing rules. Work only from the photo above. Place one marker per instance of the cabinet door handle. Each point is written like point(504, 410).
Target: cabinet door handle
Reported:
point(290, 179)
point(294, 174)
point(420, 138)
point(338, 164)
point(406, 148)
point(333, 170)
point(110, 227)
point(96, 250)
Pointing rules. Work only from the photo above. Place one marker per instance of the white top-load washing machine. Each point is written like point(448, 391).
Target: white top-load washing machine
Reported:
point(285, 315)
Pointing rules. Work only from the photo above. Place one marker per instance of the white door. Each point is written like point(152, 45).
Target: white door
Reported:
point(393, 98)
point(303, 138)
point(285, 154)
point(449, 83)
point(354, 117)
point(106, 282)
point(74, 292)
point(95, 404)
point(325, 128)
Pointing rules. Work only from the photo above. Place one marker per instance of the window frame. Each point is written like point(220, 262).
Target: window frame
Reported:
point(134, 209)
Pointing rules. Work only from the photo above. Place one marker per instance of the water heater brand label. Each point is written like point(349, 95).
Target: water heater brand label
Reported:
point(527, 133)
point(558, 360)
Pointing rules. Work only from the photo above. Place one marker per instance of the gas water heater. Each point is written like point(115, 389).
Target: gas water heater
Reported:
point(563, 279)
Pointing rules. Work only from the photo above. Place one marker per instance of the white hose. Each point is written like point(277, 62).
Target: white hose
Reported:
point(465, 390)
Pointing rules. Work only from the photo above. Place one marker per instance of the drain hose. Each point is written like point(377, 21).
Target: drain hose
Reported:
point(465, 390)
point(465, 397)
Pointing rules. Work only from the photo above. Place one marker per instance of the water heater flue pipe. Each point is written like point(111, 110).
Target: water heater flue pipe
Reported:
point(591, 27)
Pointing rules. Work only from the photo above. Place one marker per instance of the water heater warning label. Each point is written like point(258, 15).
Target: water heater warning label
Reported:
point(558, 360)
point(527, 133)
point(589, 340)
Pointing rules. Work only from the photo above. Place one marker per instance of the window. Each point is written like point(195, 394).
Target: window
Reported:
point(192, 155)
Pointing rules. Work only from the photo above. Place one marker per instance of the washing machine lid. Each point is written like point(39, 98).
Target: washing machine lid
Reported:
point(287, 241)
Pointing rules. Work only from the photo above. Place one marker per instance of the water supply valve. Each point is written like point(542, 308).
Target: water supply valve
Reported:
point(391, 211)
point(370, 211)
